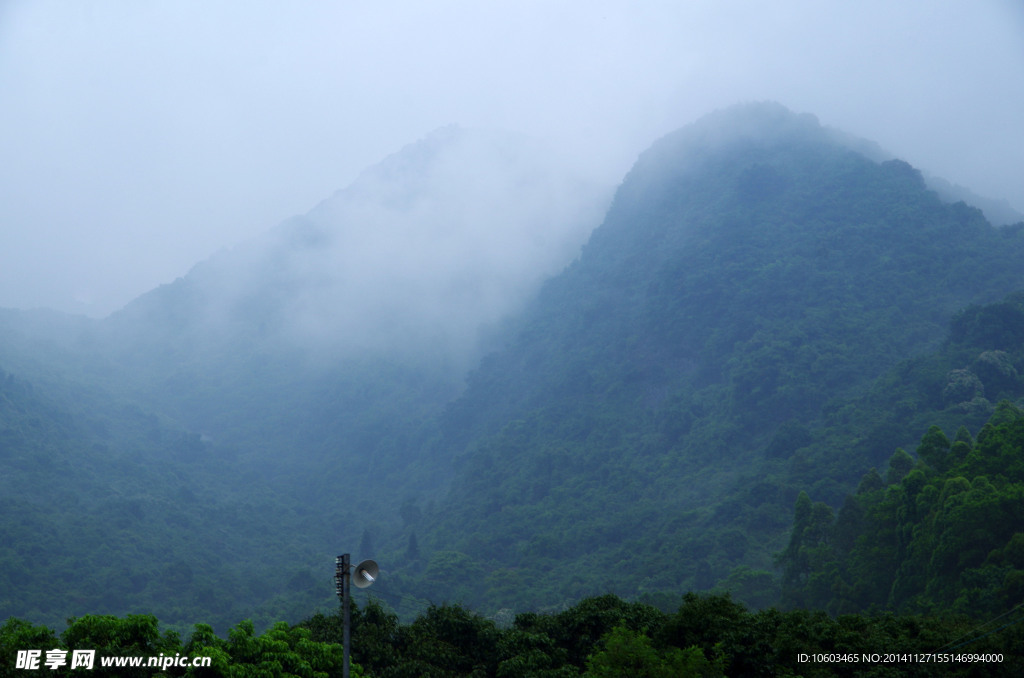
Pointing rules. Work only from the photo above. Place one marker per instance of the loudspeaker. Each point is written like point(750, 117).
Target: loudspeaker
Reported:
point(365, 574)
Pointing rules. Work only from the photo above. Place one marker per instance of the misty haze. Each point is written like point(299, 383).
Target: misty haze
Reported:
point(442, 239)
point(625, 340)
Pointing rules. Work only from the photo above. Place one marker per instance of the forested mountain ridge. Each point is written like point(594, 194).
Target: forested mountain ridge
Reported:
point(937, 535)
point(660, 403)
point(110, 508)
point(653, 410)
point(291, 376)
point(939, 531)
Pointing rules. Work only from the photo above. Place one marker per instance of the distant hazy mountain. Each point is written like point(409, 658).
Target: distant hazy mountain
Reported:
point(449, 234)
point(645, 413)
point(318, 342)
point(292, 373)
point(999, 212)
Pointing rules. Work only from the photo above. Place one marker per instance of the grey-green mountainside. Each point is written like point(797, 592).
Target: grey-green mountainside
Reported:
point(642, 422)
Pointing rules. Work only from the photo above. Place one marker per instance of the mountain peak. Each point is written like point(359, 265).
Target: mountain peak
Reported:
point(754, 273)
point(764, 125)
point(771, 125)
point(448, 234)
point(765, 121)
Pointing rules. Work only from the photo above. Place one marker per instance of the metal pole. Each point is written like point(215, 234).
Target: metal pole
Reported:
point(345, 616)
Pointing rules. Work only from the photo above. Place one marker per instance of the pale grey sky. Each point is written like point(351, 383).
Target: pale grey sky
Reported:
point(139, 137)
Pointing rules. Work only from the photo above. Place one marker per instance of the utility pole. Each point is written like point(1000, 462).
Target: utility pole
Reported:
point(341, 584)
point(366, 573)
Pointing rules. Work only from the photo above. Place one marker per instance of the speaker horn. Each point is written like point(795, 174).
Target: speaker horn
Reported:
point(365, 574)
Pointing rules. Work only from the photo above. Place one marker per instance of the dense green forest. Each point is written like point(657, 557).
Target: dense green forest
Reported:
point(941, 530)
point(768, 311)
point(717, 348)
point(708, 636)
point(108, 513)
point(942, 533)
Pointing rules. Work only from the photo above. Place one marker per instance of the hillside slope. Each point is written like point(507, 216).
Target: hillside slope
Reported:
point(642, 424)
point(299, 372)
point(754, 273)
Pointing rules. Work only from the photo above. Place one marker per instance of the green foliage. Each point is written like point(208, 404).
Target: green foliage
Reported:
point(758, 315)
point(900, 464)
point(17, 634)
point(580, 628)
point(135, 635)
point(281, 652)
point(993, 327)
point(708, 636)
point(732, 333)
point(934, 449)
point(943, 536)
point(629, 653)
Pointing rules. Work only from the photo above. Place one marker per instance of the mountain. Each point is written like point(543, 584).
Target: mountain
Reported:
point(451, 233)
point(942, 532)
point(999, 212)
point(109, 508)
point(298, 368)
point(428, 365)
point(648, 424)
